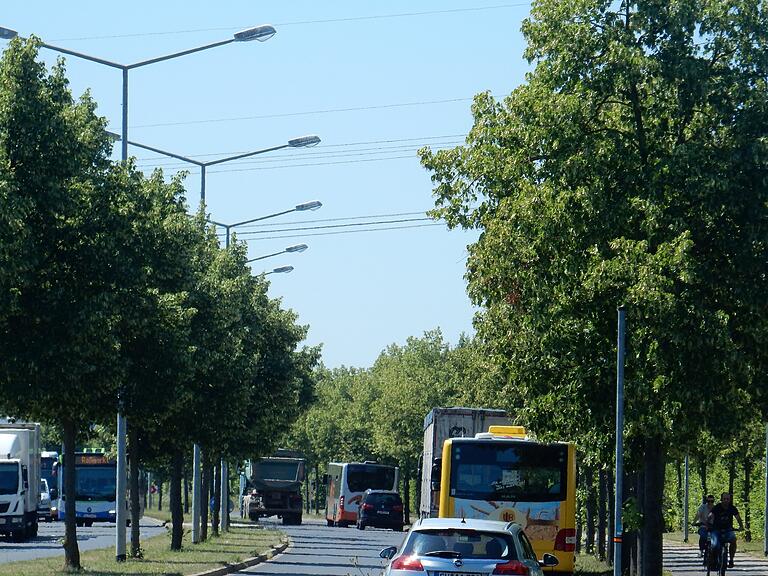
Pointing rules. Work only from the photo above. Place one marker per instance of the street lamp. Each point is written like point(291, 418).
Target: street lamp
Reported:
point(280, 270)
point(260, 33)
point(313, 205)
point(301, 142)
point(290, 249)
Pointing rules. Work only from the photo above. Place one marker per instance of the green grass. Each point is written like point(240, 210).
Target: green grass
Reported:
point(588, 565)
point(232, 547)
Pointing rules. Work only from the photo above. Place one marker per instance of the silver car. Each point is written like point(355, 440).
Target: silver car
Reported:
point(470, 547)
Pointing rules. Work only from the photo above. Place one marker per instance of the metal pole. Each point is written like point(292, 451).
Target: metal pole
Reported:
point(149, 489)
point(196, 496)
point(619, 530)
point(685, 502)
point(120, 489)
point(240, 494)
point(202, 184)
point(224, 511)
point(122, 424)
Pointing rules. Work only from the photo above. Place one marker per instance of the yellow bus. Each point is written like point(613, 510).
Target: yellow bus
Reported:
point(503, 475)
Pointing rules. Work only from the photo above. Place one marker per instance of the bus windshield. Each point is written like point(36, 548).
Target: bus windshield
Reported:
point(48, 470)
point(9, 478)
point(501, 471)
point(95, 483)
point(361, 477)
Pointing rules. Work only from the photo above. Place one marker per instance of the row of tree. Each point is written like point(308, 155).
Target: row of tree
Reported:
point(629, 169)
point(113, 298)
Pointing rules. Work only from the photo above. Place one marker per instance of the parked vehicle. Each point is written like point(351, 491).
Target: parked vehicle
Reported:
point(346, 482)
point(275, 488)
point(44, 505)
point(439, 425)
point(380, 509)
point(49, 471)
point(19, 479)
point(465, 546)
point(504, 475)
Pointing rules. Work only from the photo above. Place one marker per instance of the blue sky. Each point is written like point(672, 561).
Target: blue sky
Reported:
point(375, 80)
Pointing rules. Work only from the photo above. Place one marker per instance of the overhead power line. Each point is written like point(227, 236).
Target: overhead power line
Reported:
point(266, 224)
point(331, 233)
point(300, 22)
point(329, 226)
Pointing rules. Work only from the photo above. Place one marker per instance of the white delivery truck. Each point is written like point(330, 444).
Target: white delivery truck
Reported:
point(19, 479)
point(439, 425)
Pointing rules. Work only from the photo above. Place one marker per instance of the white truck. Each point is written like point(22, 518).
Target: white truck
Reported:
point(439, 425)
point(19, 479)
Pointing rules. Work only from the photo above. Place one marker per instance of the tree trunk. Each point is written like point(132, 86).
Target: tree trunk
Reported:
point(177, 515)
point(133, 445)
point(205, 490)
point(601, 512)
point(591, 508)
point(731, 475)
point(747, 489)
point(186, 491)
point(703, 477)
point(71, 549)
point(580, 507)
point(407, 507)
point(216, 499)
point(160, 496)
point(653, 501)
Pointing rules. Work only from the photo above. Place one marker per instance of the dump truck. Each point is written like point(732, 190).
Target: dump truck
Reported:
point(274, 488)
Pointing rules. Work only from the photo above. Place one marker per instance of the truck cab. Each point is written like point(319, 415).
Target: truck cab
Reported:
point(19, 479)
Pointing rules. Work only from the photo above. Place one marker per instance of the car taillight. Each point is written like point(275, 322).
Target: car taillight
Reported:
point(566, 540)
point(409, 563)
point(341, 502)
point(511, 567)
point(367, 506)
point(397, 508)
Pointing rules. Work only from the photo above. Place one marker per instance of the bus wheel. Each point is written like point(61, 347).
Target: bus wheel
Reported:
point(79, 523)
point(329, 522)
point(88, 523)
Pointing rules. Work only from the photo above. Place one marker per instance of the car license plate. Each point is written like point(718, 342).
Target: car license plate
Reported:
point(2, 520)
point(89, 515)
point(460, 574)
point(384, 512)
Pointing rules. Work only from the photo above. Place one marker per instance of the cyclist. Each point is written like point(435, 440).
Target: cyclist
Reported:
point(720, 519)
point(701, 521)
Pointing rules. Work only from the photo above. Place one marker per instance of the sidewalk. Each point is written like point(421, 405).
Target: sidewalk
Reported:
point(683, 560)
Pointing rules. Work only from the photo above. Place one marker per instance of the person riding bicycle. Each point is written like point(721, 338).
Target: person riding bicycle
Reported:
point(700, 520)
point(720, 519)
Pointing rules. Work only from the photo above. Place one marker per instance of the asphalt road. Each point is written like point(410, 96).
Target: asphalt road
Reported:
point(50, 535)
point(317, 550)
point(684, 560)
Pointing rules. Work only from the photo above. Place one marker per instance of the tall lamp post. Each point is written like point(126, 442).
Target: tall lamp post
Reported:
point(260, 33)
point(280, 270)
point(303, 207)
point(301, 142)
point(288, 250)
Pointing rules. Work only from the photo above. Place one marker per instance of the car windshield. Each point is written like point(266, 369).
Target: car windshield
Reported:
point(9, 478)
point(454, 543)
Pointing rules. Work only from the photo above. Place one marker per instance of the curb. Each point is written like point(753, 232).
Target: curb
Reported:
point(247, 563)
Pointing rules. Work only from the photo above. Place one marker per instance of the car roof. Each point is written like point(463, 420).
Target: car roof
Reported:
point(465, 524)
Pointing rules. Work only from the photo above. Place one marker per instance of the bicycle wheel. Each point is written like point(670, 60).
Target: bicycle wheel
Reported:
point(723, 558)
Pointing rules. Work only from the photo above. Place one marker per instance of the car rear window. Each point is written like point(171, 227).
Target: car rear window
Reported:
point(467, 543)
point(386, 499)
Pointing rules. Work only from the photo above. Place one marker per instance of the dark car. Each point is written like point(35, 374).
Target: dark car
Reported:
point(380, 509)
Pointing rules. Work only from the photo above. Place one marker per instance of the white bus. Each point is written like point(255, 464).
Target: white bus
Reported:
point(346, 482)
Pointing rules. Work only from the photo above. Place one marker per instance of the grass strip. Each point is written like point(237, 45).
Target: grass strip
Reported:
point(229, 548)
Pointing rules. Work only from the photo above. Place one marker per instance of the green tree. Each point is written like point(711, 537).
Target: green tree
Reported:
point(628, 169)
point(60, 346)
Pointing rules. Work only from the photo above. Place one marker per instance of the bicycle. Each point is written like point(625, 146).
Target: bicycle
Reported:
point(717, 559)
